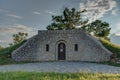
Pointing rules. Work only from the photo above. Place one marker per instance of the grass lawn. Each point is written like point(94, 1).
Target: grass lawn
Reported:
point(57, 76)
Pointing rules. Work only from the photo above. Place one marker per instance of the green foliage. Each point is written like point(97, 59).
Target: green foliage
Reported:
point(110, 46)
point(72, 18)
point(19, 37)
point(5, 54)
point(98, 28)
point(57, 76)
point(68, 20)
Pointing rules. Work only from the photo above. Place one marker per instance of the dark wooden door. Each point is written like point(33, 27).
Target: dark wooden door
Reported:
point(61, 51)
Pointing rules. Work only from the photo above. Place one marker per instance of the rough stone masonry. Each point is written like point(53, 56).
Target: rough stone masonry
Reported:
point(65, 45)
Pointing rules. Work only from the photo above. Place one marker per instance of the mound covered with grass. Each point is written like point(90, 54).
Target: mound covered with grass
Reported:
point(5, 54)
point(111, 47)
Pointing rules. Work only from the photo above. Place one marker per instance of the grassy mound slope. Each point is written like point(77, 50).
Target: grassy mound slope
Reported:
point(5, 54)
point(110, 46)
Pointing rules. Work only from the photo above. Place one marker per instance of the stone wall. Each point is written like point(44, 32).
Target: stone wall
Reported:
point(89, 48)
point(26, 51)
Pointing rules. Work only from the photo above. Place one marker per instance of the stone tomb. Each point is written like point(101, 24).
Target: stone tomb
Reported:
point(57, 45)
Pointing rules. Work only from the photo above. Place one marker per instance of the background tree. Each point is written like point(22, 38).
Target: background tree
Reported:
point(98, 28)
point(19, 37)
point(69, 20)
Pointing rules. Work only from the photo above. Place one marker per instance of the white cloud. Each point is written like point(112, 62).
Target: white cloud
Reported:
point(8, 13)
point(14, 16)
point(116, 29)
point(97, 8)
point(6, 32)
point(118, 26)
point(37, 13)
point(117, 34)
point(113, 12)
point(50, 12)
point(22, 27)
point(3, 11)
point(5, 41)
point(12, 29)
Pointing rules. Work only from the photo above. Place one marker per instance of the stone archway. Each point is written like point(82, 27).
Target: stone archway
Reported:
point(61, 51)
point(59, 55)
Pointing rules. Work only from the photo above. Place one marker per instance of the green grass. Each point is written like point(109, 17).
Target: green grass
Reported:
point(111, 63)
point(113, 48)
point(57, 76)
point(110, 46)
point(5, 54)
point(8, 50)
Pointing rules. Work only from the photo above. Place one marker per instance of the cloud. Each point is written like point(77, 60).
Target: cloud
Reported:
point(9, 14)
point(117, 34)
point(5, 41)
point(118, 26)
point(114, 12)
point(3, 11)
point(50, 12)
point(116, 29)
point(22, 27)
point(14, 16)
point(115, 38)
point(37, 13)
point(6, 32)
point(12, 29)
point(97, 8)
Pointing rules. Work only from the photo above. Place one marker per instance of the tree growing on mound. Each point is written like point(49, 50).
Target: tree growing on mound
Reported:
point(69, 20)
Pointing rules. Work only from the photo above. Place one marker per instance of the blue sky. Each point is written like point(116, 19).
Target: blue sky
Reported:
point(32, 15)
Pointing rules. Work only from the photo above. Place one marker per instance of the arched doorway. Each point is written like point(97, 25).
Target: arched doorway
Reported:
point(61, 51)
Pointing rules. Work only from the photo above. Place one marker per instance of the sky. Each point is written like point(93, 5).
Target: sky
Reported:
point(33, 15)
